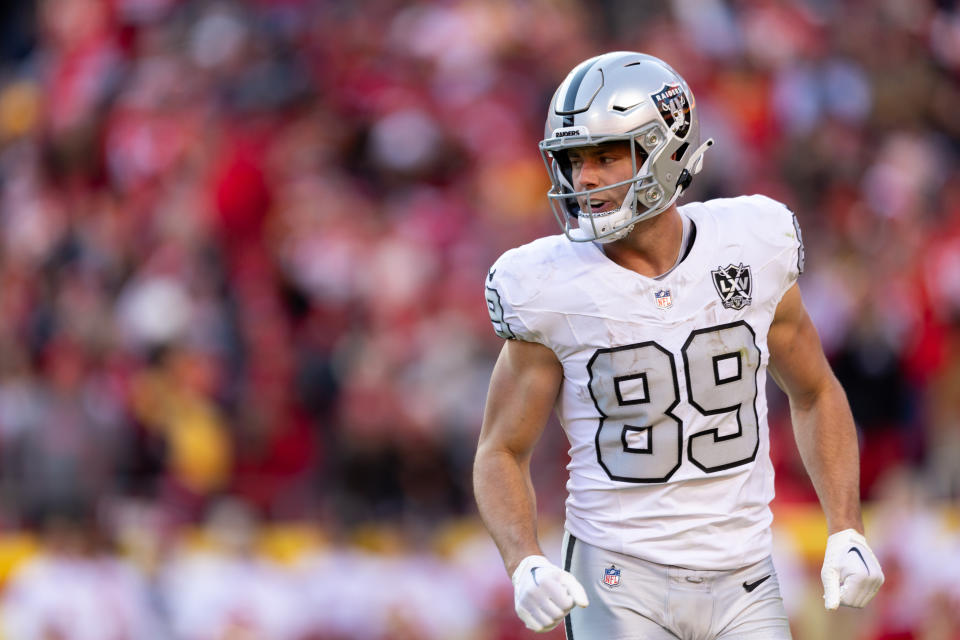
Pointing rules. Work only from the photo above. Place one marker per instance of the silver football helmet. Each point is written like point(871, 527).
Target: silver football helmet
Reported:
point(625, 96)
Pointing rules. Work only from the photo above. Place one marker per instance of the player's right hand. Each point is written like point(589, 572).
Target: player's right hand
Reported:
point(543, 593)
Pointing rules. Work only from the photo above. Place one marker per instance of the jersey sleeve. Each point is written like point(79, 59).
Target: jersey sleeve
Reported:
point(526, 298)
point(500, 290)
point(777, 227)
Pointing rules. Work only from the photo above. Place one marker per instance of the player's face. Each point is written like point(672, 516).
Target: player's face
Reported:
point(593, 167)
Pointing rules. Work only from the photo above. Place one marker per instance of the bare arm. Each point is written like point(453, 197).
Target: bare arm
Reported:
point(523, 388)
point(822, 422)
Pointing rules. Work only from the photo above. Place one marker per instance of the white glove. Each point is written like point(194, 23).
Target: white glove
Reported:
point(543, 593)
point(851, 574)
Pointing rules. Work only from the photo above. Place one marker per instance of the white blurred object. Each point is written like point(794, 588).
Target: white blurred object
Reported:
point(364, 596)
point(78, 598)
point(908, 167)
point(846, 90)
point(227, 589)
point(154, 310)
point(711, 25)
point(217, 38)
point(404, 140)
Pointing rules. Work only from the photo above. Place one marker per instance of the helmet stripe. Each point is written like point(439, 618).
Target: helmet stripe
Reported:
point(570, 100)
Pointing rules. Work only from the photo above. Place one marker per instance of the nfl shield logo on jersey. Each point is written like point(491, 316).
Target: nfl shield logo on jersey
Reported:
point(734, 285)
point(611, 576)
point(663, 298)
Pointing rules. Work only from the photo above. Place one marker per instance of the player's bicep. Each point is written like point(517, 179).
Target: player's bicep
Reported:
point(523, 388)
point(797, 362)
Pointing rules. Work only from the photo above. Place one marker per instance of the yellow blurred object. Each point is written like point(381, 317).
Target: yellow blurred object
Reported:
point(15, 550)
point(19, 109)
point(384, 539)
point(454, 534)
point(288, 543)
point(200, 455)
point(806, 526)
point(196, 539)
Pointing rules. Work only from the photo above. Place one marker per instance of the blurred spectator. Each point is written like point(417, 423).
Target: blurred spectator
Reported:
point(222, 588)
point(77, 587)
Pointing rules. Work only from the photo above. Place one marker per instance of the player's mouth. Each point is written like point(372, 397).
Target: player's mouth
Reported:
point(598, 206)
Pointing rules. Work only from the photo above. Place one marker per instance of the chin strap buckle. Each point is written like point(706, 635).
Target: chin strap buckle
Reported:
point(694, 165)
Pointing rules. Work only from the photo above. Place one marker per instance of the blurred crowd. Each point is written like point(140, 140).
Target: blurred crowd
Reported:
point(242, 246)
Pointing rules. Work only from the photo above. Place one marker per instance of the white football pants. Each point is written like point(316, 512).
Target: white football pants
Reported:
point(632, 599)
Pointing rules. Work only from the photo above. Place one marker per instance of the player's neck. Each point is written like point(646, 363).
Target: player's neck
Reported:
point(651, 249)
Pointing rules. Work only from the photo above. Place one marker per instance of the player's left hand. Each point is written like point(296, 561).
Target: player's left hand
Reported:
point(851, 574)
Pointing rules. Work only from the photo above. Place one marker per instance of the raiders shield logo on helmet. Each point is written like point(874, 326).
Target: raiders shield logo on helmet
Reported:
point(734, 285)
point(672, 103)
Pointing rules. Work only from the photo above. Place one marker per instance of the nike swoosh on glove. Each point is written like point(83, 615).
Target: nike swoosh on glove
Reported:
point(851, 574)
point(543, 593)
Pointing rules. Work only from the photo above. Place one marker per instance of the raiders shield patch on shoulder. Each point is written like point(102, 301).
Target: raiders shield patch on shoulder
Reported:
point(734, 285)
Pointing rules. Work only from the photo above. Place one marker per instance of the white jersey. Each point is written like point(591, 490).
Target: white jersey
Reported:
point(662, 399)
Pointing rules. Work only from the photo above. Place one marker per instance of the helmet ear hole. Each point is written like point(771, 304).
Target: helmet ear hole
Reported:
point(641, 154)
point(563, 162)
point(679, 153)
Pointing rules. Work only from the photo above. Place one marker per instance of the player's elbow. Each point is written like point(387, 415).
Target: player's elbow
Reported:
point(825, 390)
point(493, 452)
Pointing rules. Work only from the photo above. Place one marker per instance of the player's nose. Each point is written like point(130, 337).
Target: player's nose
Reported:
point(587, 175)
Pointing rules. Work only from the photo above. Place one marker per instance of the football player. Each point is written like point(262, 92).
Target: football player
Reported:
point(650, 328)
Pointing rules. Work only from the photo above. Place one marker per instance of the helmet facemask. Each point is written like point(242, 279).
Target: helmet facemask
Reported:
point(644, 198)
